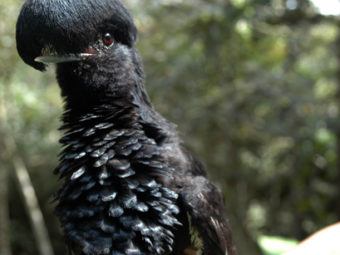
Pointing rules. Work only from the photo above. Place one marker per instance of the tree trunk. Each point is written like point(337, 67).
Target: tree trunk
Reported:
point(237, 202)
point(24, 184)
point(5, 247)
point(5, 243)
point(337, 99)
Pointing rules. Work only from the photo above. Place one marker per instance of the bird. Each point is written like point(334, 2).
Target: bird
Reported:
point(128, 184)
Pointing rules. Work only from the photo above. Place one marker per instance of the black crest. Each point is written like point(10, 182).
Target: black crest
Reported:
point(70, 24)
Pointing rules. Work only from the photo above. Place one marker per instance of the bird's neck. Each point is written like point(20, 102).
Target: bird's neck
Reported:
point(103, 82)
point(125, 111)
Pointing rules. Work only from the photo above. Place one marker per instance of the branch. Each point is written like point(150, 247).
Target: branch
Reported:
point(32, 206)
point(299, 16)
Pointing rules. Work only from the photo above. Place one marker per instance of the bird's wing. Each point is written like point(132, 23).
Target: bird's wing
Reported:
point(204, 205)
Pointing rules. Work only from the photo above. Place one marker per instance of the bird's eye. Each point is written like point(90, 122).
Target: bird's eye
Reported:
point(108, 39)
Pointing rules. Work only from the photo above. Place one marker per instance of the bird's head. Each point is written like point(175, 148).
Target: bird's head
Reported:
point(60, 31)
point(91, 41)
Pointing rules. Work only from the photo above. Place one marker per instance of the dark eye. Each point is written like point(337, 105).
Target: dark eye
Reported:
point(108, 39)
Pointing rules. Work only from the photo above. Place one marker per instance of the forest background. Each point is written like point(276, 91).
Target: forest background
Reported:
point(254, 86)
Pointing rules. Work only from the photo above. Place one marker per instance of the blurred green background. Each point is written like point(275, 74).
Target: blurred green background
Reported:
point(254, 86)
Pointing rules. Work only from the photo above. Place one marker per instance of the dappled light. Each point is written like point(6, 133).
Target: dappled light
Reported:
point(254, 88)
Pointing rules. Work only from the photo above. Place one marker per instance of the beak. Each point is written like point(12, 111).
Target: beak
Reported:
point(56, 59)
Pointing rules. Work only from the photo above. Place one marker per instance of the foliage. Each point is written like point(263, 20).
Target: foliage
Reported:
point(257, 102)
point(276, 245)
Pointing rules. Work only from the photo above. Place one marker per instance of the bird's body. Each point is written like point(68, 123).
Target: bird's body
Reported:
point(130, 187)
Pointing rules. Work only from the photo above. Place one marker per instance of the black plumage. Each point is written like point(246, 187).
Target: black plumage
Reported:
point(129, 185)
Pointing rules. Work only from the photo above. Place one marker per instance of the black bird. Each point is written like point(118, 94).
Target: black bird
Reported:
point(129, 185)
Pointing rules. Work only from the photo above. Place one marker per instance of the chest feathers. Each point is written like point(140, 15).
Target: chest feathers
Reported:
point(112, 200)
